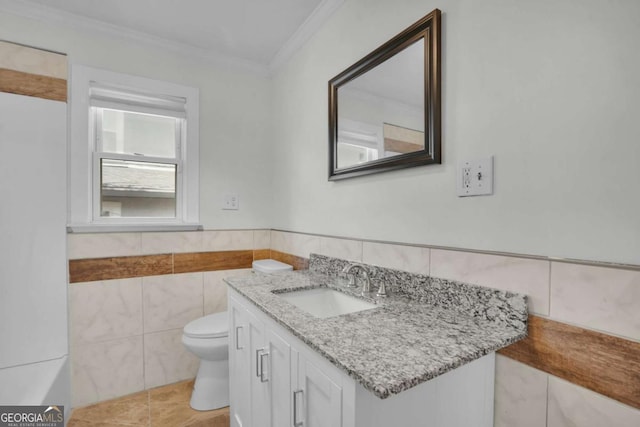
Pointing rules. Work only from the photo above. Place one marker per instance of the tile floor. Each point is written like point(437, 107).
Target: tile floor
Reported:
point(166, 406)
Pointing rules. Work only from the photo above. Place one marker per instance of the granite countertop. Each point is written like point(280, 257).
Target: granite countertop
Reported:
point(408, 339)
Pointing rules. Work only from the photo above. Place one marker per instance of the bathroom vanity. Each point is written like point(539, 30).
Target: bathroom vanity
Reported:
point(424, 356)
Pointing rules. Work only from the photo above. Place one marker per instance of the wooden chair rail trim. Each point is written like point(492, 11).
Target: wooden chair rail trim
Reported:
point(95, 269)
point(36, 85)
point(603, 363)
point(211, 261)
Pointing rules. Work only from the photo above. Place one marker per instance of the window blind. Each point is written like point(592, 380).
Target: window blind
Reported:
point(115, 98)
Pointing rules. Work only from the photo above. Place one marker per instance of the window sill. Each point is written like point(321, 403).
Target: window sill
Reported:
point(123, 228)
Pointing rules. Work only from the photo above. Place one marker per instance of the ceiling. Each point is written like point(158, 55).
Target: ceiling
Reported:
point(400, 78)
point(258, 32)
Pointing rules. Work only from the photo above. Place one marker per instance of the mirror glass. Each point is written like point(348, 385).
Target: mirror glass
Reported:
point(384, 110)
point(381, 112)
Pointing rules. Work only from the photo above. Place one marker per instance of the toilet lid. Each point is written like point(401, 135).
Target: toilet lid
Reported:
point(211, 326)
point(270, 266)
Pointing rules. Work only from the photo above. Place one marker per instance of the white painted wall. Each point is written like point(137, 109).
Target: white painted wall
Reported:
point(235, 124)
point(550, 88)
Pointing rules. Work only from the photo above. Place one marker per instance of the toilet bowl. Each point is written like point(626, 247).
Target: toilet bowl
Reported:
point(207, 338)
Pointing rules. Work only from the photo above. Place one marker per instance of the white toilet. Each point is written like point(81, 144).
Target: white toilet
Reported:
point(208, 338)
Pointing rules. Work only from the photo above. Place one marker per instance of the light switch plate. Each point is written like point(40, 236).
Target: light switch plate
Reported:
point(475, 177)
point(230, 202)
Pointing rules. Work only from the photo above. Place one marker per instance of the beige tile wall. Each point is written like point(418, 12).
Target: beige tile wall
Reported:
point(520, 395)
point(215, 290)
point(340, 248)
point(107, 369)
point(177, 242)
point(171, 301)
point(522, 275)
point(166, 360)
point(118, 350)
point(407, 258)
point(102, 311)
point(294, 243)
point(527, 397)
point(126, 334)
point(102, 245)
point(227, 240)
point(262, 239)
point(602, 298)
point(31, 60)
point(570, 405)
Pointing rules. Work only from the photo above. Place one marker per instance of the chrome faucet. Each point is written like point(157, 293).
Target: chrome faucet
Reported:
point(366, 287)
point(352, 277)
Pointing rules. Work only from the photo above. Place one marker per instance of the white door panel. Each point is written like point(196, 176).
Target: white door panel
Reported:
point(279, 379)
point(33, 217)
point(322, 398)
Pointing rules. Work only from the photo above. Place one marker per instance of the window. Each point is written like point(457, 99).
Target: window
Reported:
point(358, 142)
point(137, 156)
point(134, 152)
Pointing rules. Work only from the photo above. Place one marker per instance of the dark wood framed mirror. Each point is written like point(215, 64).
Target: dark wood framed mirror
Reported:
point(384, 110)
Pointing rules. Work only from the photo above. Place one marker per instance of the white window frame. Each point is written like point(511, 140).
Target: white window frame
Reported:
point(95, 119)
point(361, 134)
point(84, 159)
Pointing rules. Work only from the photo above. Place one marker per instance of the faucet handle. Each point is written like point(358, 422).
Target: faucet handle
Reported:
point(382, 290)
point(352, 277)
point(352, 280)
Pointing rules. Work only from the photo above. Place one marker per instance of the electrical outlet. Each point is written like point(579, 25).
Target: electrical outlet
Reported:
point(230, 202)
point(475, 177)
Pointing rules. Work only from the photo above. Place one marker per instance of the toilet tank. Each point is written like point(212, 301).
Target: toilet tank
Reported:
point(270, 266)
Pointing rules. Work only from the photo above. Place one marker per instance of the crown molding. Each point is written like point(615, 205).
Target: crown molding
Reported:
point(54, 16)
point(304, 32)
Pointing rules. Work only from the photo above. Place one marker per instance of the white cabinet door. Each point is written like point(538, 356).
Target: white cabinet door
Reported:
point(272, 384)
point(258, 371)
point(318, 400)
point(251, 369)
point(239, 360)
point(279, 378)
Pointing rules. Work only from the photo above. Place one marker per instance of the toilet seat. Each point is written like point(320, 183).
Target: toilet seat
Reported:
point(211, 326)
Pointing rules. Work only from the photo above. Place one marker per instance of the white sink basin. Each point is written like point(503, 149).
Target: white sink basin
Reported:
point(325, 302)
